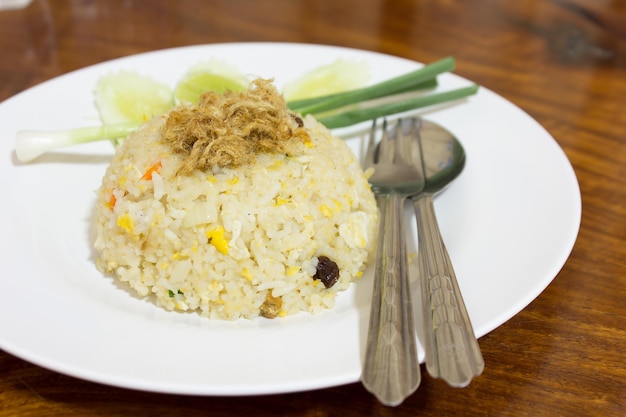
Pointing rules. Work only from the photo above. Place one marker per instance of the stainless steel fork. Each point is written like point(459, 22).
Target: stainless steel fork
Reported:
point(391, 369)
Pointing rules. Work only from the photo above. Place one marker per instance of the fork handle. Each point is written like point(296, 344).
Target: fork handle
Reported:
point(452, 351)
point(391, 369)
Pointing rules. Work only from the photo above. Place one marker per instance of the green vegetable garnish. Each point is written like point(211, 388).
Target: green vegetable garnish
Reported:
point(424, 77)
point(340, 75)
point(191, 88)
point(351, 117)
point(216, 76)
point(128, 97)
point(335, 110)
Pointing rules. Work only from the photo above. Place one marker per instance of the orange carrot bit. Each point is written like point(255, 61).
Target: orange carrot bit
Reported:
point(111, 203)
point(154, 168)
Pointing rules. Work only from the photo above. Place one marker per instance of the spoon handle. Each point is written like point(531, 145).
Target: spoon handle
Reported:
point(391, 369)
point(452, 351)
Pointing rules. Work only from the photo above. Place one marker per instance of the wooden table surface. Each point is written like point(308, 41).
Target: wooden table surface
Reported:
point(562, 61)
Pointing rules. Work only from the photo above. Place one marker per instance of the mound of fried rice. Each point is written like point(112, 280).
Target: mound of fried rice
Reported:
point(237, 241)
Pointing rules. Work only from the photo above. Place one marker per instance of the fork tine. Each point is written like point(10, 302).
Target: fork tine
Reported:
point(387, 148)
point(402, 142)
point(371, 147)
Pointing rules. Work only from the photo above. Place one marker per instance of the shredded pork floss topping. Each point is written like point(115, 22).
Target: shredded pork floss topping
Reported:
point(230, 129)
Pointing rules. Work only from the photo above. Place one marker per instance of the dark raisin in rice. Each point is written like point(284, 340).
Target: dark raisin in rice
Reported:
point(327, 271)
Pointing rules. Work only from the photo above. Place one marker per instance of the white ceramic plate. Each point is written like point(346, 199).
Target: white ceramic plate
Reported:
point(509, 221)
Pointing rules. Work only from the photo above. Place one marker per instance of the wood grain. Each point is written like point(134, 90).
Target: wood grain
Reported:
point(563, 62)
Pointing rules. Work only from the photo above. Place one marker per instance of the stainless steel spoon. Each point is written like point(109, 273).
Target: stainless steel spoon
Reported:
point(452, 351)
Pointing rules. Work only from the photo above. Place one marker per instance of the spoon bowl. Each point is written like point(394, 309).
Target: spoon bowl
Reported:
point(443, 157)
